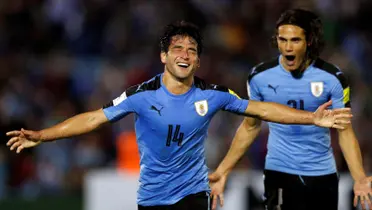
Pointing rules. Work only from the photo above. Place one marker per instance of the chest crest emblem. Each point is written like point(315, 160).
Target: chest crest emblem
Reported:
point(317, 88)
point(201, 107)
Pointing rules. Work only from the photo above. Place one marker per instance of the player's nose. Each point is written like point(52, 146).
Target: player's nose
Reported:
point(288, 47)
point(184, 54)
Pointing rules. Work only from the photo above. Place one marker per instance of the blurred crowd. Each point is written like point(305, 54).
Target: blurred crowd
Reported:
point(59, 58)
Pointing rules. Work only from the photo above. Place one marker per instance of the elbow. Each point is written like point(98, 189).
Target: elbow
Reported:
point(251, 125)
point(255, 129)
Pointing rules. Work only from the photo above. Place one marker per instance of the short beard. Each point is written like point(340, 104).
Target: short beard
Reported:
point(180, 79)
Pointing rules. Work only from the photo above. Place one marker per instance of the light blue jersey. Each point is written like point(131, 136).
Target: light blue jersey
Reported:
point(299, 149)
point(170, 131)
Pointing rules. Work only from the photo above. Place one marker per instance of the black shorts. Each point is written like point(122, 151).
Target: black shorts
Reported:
point(293, 192)
point(198, 201)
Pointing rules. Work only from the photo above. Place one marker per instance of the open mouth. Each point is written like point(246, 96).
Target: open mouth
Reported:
point(183, 65)
point(290, 57)
point(290, 60)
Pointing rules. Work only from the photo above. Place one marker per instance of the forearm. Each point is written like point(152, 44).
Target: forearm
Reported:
point(351, 151)
point(77, 125)
point(244, 137)
point(274, 112)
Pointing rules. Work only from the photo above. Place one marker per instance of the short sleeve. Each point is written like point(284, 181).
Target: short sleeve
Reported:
point(231, 102)
point(252, 89)
point(122, 105)
point(340, 93)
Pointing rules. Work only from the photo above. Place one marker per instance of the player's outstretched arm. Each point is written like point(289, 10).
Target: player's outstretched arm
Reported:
point(76, 125)
point(351, 151)
point(273, 112)
point(244, 137)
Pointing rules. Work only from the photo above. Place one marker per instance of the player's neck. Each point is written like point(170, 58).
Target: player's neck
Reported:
point(177, 86)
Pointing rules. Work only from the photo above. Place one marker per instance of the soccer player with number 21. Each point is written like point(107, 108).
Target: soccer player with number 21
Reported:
point(300, 170)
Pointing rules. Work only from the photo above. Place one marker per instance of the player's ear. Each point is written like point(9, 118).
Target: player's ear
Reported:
point(198, 62)
point(163, 57)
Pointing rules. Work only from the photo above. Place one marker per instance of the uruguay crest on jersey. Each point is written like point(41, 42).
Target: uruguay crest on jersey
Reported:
point(201, 107)
point(317, 88)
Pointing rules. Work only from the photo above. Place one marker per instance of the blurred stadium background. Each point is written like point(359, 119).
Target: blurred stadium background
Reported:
point(62, 57)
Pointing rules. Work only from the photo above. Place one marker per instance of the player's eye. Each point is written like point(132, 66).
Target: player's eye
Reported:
point(177, 48)
point(282, 39)
point(192, 51)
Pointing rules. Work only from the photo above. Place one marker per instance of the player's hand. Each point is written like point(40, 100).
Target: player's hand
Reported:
point(23, 139)
point(363, 193)
point(217, 183)
point(336, 118)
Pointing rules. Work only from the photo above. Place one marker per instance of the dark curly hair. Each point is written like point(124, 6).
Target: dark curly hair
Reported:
point(182, 28)
point(310, 23)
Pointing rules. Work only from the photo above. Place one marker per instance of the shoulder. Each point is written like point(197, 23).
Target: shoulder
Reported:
point(201, 84)
point(262, 67)
point(332, 70)
point(150, 85)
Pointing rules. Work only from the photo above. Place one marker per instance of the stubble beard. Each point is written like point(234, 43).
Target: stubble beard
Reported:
point(173, 73)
